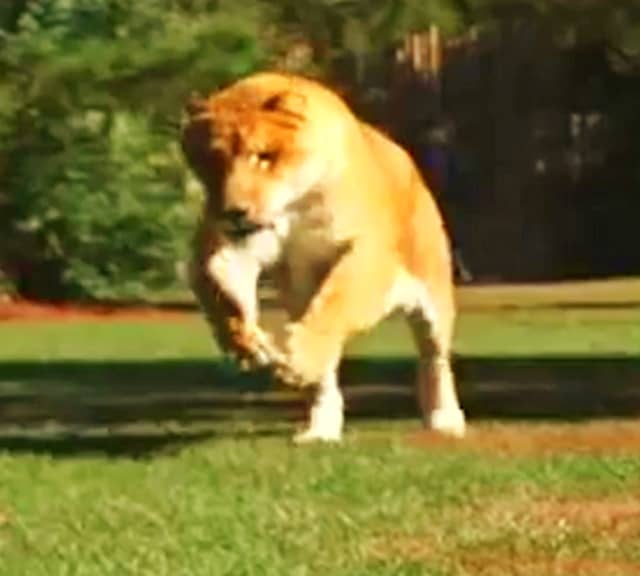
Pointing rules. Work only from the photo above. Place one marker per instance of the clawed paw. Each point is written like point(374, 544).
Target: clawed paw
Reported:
point(251, 347)
point(310, 436)
point(302, 363)
point(286, 374)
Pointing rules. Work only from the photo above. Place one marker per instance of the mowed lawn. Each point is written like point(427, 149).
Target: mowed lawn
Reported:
point(129, 448)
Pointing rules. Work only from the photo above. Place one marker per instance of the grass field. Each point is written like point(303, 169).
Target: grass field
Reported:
point(129, 448)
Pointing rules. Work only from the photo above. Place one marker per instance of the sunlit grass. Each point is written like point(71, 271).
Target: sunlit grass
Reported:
point(177, 489)
point(521, 332)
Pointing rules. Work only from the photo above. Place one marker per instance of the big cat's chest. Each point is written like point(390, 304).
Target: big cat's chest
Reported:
point(312, 234)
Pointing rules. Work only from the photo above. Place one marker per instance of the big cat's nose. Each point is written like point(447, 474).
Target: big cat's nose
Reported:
point(235, 214)
point(237, 222)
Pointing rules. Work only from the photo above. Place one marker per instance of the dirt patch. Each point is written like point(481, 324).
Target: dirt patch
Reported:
point(533, 543)
point(485, 562)
point(613, 518)
point(526, 534)
point(489, 564)
point(24, 311)
point(596, 438)
point(618, 519)
point(596, 515)
point(411, 548)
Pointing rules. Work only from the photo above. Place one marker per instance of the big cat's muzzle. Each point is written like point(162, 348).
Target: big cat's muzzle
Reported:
point(237, 223)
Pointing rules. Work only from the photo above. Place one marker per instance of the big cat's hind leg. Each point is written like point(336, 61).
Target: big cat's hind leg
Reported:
point(436, 389)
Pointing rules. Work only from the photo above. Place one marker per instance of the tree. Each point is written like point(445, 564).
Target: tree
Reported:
point(92, 189)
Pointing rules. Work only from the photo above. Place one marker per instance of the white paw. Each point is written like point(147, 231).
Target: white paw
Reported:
point(310, 436)
point(450, 422)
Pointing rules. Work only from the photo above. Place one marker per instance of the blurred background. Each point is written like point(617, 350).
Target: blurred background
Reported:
point(523, 115)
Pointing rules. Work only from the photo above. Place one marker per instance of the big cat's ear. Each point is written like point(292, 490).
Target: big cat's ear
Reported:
point(287, 102)
point(196, 105)
point(274, 102)
point(196, 133)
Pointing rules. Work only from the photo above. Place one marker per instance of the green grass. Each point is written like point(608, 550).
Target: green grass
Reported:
point(549, 332)
point(506, 333)
point(127, 448)
point(258, 506)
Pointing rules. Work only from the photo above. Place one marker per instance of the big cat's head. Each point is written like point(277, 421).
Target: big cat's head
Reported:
point(259, 146)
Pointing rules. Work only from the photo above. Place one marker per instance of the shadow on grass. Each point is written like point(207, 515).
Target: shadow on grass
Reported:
point(136, 408)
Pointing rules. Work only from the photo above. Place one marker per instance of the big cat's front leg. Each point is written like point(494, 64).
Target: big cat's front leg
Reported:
point(353, 297)
point(224, 279)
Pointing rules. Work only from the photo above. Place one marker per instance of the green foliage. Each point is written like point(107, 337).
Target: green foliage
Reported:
point(95, 196)
point(113, 215)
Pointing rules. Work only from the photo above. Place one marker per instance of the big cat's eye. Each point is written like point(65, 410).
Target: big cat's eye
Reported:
point(267, 156)
point(263, 159)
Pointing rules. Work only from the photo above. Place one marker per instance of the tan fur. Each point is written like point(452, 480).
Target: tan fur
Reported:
point(342, 213)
